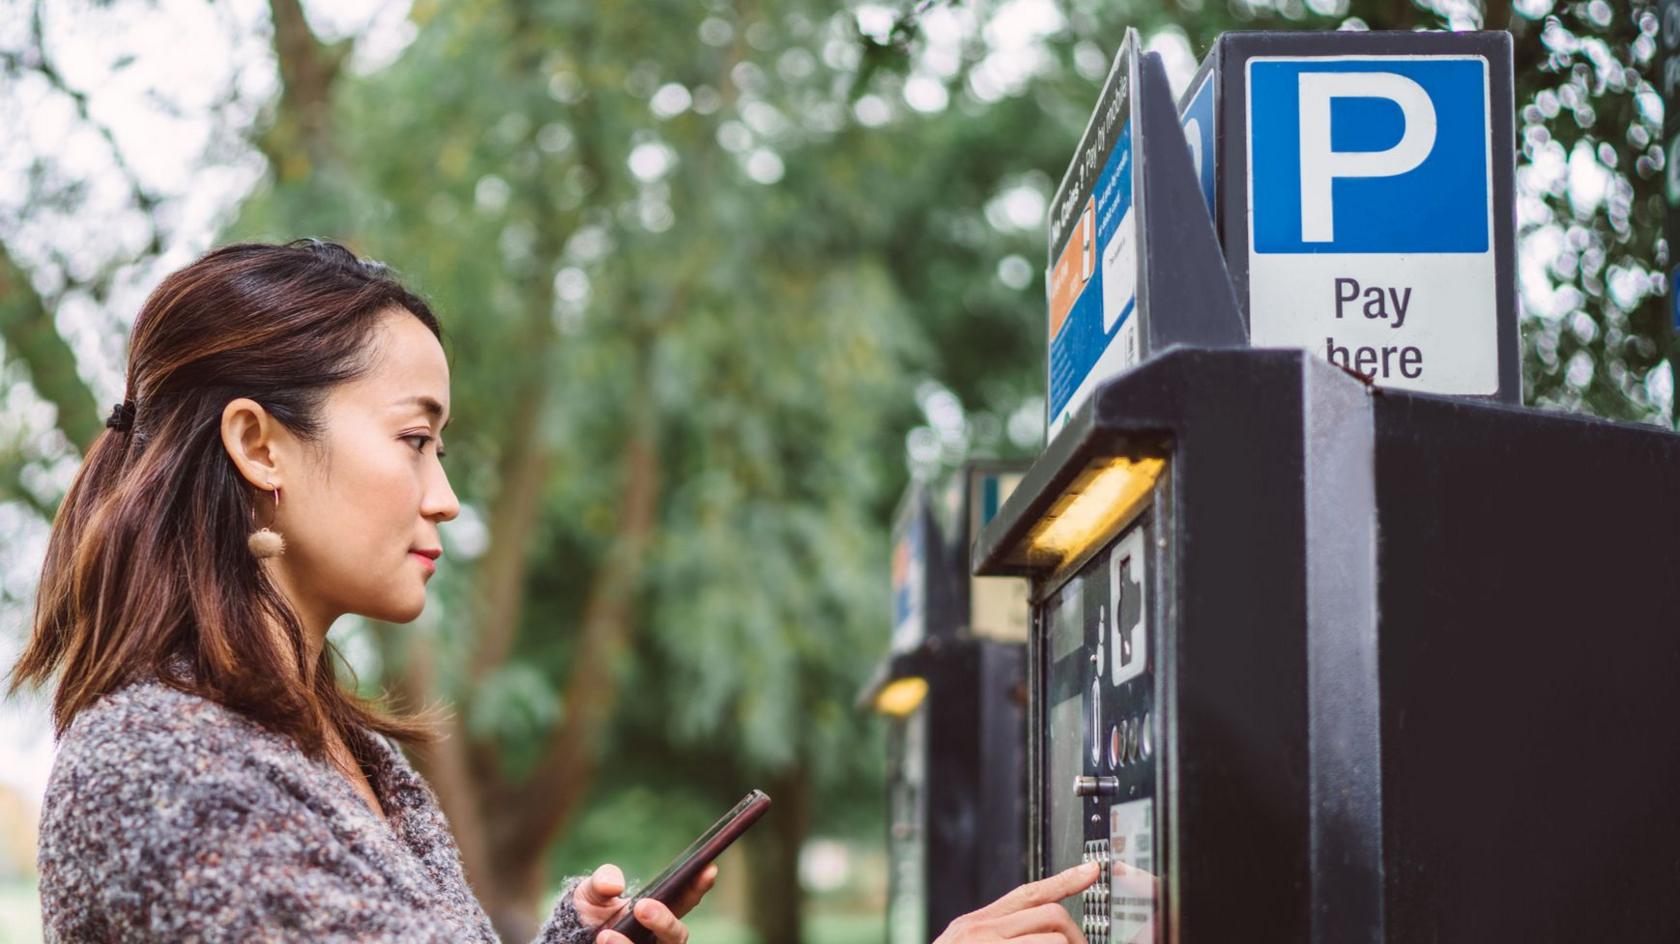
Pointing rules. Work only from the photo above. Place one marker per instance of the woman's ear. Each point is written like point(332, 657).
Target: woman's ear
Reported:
point(248, 434)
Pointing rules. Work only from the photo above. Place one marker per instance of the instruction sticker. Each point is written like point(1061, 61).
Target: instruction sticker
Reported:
point(1131, 843)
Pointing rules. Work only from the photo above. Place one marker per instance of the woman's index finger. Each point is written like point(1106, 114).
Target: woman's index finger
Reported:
point(1062, 885)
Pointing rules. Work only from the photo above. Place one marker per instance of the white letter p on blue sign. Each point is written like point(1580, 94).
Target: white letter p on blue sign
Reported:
point(1379, 154)
point(1322, 164)
point(1370, 216)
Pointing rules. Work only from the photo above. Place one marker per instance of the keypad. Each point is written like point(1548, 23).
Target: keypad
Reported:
point(1094, 901)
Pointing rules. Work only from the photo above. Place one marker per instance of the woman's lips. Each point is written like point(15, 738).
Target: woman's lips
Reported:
point(423, 559)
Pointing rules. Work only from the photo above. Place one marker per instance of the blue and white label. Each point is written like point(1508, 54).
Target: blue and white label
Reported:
point(909, 582)
point(1370, 186)
point(1093, 291)
point(1197, 119)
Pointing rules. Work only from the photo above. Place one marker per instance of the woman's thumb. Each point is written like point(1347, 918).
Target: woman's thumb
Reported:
point(604, 885)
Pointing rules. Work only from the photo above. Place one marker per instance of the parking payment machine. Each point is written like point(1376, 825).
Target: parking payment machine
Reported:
point(953, 691)
point(1330, 641)
point(1311, 660)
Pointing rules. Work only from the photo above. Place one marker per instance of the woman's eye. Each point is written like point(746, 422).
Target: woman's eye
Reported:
point(420, 446)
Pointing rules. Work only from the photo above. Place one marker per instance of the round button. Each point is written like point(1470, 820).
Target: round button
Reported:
point(1116, 740)
point(1132, 741)
point(1146, 740)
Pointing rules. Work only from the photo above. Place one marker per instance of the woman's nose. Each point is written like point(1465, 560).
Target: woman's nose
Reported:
point(441, 503)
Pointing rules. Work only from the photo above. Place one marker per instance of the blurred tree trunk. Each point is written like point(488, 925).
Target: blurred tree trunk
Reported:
point(522, 820)
point(300, 140)
point(778, 899)
point(30, 337)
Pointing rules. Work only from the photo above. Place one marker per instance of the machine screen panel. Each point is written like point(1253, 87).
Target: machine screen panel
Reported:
point(1097, 789)
point(907, 831)
point(1067, 820)
point(1067, 739)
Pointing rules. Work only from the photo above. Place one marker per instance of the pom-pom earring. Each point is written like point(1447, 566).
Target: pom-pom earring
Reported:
point(265, 543)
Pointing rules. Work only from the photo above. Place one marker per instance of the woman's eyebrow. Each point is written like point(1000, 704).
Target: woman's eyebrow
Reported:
point(431, 407)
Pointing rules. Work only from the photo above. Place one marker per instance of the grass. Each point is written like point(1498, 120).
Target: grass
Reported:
point(20, 913)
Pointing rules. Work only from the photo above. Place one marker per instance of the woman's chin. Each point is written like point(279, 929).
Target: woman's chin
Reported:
point(398, 611)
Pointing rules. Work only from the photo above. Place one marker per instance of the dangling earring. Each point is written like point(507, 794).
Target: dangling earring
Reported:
point(263, 542)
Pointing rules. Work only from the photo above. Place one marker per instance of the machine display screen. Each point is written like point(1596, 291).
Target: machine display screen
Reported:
point(1067, 818)
point(1067, 621)
point(1068, 743)
point(1097, 786)
point(907, 832)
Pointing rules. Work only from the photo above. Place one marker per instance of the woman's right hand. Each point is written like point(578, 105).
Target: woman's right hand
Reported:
point(600, 898)
point(1031, 914)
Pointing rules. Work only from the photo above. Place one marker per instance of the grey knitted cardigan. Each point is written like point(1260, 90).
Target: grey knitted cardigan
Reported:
point(171, 818)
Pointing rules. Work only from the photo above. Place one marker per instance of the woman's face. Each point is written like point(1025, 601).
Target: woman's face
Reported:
point(360, 512)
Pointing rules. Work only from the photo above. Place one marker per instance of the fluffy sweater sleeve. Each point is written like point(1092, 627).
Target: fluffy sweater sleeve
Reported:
point(171, 818)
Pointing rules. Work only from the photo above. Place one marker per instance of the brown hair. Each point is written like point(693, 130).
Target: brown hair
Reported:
point(148, 563)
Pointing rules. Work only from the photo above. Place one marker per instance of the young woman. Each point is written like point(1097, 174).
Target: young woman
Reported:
point(273, 466)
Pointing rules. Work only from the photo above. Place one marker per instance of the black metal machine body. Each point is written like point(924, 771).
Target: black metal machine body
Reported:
point(953, 689)
point(1314, 661)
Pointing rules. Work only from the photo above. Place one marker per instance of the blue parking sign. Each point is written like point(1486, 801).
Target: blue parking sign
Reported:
point(1196, 114)
point(1371, 216)
point(1342, 144)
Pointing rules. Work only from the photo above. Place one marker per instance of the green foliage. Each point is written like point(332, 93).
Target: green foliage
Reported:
point(1590, 129)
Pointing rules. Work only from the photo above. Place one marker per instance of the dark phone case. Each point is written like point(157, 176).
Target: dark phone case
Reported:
point(677, 876)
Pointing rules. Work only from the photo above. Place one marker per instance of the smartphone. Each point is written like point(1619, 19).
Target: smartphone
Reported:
point(671, 883)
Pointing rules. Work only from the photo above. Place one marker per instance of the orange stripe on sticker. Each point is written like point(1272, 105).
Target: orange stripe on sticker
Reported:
point(1073, 268)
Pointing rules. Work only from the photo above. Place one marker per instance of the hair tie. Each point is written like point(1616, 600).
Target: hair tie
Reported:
point(122, 416)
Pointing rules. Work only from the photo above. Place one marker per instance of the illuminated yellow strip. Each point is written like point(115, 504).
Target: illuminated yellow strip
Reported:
point(902, 696)
point(1109, 493)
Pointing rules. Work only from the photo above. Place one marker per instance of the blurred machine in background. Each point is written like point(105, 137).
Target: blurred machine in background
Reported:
point(953, 691)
